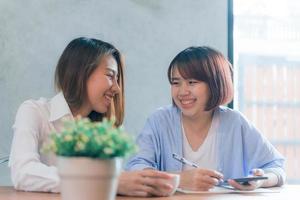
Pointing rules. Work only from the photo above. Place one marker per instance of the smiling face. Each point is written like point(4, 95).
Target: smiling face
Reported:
point(102, 85)
point(89, 73)
point(190, 95)
point(203, 79)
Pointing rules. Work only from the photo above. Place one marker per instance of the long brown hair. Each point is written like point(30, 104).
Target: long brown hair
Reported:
point(77, 62)
point(207, 65)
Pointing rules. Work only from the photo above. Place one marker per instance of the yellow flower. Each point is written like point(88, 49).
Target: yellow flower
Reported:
point(108, 150)
point(79, 146)
point(84, 138)
point(68, 138)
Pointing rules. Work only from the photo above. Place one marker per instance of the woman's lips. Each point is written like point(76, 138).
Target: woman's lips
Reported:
point(108, 99)
point(187, 103)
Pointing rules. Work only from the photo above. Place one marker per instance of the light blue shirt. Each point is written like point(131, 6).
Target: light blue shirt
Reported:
point(240, 146)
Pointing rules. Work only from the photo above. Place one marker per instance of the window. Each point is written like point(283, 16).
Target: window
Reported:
point(266, 53)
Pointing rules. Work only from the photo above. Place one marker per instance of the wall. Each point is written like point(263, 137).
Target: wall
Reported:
point(33, 34)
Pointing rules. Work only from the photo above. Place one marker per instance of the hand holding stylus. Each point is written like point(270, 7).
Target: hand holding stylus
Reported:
point(197, 179)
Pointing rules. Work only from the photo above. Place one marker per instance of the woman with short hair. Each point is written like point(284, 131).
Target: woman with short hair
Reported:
point(219, 140)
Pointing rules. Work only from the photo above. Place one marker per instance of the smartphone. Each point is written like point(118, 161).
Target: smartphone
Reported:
point(246, 180)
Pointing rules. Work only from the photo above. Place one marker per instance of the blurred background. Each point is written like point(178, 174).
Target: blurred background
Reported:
point(266, 40)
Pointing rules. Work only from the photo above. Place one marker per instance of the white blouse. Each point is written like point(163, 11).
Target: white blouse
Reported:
point(32, 170)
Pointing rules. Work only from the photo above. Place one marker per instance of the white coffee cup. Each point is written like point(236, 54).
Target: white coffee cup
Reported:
point(174, 182)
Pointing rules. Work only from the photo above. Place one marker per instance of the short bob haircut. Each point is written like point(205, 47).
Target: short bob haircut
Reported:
point(76, 64)
point(207, 65)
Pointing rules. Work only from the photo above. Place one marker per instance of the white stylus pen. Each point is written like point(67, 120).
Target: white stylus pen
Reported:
point(184, 161)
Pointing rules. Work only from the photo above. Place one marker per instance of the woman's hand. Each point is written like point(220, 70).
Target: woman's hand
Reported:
point(144, 183)
point(252, 184)
point(199, 179)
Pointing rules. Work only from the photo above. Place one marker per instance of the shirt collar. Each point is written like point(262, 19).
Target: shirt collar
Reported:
point(59, 107)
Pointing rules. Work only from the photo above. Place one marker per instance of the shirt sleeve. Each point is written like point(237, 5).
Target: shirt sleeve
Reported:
point(260, 153)
point(147, 149)
point(28, 173)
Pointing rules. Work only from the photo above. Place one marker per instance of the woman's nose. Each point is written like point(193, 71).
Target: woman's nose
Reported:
point(115, 87)
point(184, 89)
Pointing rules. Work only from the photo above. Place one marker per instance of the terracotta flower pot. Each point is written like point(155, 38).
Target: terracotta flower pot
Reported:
point(87, 178)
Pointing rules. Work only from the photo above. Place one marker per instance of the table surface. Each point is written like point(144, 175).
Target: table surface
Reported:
point(288, 192)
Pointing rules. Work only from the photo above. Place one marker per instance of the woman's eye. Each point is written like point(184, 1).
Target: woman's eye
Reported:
point(192, 82)
point(110, 76)
point(174, 83)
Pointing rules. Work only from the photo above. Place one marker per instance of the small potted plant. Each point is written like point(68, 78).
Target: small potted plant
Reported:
point(89, 158)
